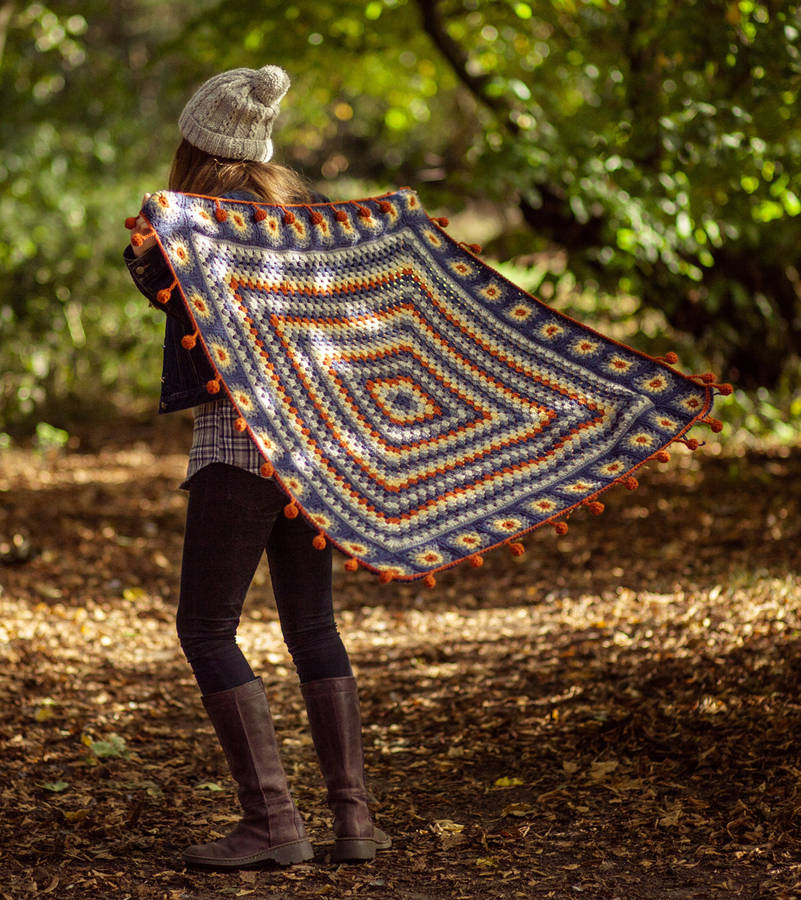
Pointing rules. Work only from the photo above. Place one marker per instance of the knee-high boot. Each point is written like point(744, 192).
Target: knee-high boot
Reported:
point(271, 829)
point(333, 708)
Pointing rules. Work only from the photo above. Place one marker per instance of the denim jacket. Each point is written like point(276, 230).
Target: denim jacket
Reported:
point(184, 373)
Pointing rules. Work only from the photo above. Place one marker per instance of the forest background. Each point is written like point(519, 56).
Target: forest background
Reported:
point(636, 163)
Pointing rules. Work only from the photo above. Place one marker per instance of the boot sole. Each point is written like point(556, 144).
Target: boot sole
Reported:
point(282, 855)
point(357, 849)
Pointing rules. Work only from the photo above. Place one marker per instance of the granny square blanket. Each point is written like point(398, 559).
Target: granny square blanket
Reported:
point(416, 406)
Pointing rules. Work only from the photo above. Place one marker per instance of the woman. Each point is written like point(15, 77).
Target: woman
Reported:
point(234, 514)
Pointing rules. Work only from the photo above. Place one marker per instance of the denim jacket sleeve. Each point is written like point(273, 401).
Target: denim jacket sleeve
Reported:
point(151, 274)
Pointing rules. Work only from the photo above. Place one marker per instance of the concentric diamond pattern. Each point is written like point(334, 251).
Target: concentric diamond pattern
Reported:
point(417, 406)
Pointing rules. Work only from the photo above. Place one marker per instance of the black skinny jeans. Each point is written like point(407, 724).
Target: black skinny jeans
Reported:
point(232, 517)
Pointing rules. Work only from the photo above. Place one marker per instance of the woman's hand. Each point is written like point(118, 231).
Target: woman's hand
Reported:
point(143, 228)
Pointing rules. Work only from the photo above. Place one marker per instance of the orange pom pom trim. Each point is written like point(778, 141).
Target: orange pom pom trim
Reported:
point(291, 511)
point(596, 507)
point(316, 217)
point(631, 483)
point(289, 217)
point(351, 565)
point(341, 216)
point(476, 561)
point(442, 221)
point(385, 577)
point(365, 212)
point(560, 527)
point(662, 456)
point(724, 389)
point(318, 542)
point(240, 424)
point(517, 549)
point(430, 581)
point(385, 206)
point(130, 222)
point(137, 240)
point(213, 386)
point(188, 341)
point(259, 214)
point(164, 295)
point(220, 214)
point(267, 470)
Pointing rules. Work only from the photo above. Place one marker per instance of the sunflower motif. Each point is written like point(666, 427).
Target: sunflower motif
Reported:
point(295, 485)
point(470, 540)
point(641, 441)
point(655, 385)
point(666, 423)
point(460, 267)
point(432, 237)
point(267, 444)
point(619, 366)
point(244, 401)
point(508, 525)
point(543, 505)
point(221, 355)
point(201, 215)
point(493, 291)
point(321, 520)
point(429, 557)
point(179, 251)
point(199, 306)
point(692, 403)
point(272, 226)
point(577, 487)
point(612, 468)
point(585, 347)
point(355, 548)
point(551, 330)
point(520, 312)
point(239, 222)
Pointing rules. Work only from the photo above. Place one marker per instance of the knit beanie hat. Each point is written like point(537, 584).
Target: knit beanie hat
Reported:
point(232, 114)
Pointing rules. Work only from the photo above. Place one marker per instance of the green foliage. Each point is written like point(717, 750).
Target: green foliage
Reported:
point(656, 142)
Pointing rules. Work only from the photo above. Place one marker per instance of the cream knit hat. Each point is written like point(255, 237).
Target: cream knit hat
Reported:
point(231, 115)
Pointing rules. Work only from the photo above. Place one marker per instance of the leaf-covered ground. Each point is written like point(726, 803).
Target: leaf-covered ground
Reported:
point(616, 714)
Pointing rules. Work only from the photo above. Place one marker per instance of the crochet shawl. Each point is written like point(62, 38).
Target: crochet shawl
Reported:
point(416, 407)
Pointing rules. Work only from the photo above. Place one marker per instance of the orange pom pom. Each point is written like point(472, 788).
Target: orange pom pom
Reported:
point(188, 341)
point(442, 221)
point(474, 248)
point(662, 456)
point(213, 386)
point(671, 358)
point(430, 581)
point(725, 389)
point(692, 444)
point(365, 212)
point(560, 527)
point(476, 561)
point(316, 217)
point(130, 222)
point(163, 296)
point(137, 240)
point(385, 206)
point(385, 577)
point(289, 217)
point(351, 565)
point(318, 542)
point(259, 214)
point(517, 549)
point(341, 215)
point(267, 470)
point(631, 483)
point(291, 511)
point(240, 424)
point(708, 377)
point(220, 214)
point(596, 507)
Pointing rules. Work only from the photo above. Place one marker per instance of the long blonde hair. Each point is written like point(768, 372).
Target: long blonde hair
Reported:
point(196, 172)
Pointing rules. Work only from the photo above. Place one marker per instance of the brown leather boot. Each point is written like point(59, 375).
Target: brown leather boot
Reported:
point(271, 829)
point(336, 726)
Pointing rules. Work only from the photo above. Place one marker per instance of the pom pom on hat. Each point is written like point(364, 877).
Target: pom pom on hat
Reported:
point(231, 115)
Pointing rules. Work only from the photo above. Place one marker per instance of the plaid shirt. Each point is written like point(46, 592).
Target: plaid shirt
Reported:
point(215, 440)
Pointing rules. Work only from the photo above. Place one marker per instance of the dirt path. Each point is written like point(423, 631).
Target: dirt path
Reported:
point(615, 714)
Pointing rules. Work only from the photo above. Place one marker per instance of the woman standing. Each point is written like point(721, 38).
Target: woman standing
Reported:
point(234, 515)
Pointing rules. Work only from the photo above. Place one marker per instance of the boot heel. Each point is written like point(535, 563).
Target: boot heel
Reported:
point(296, 852)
